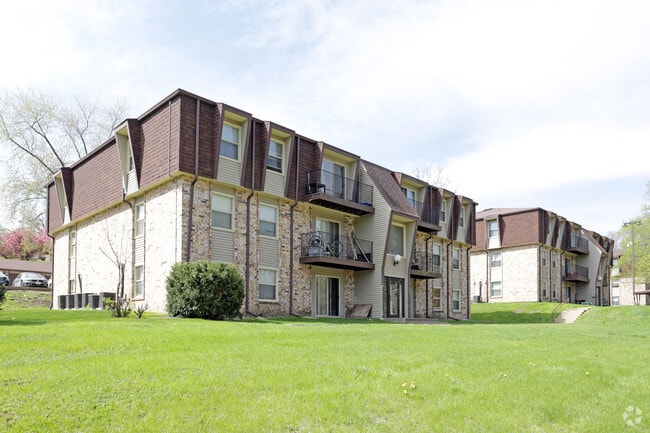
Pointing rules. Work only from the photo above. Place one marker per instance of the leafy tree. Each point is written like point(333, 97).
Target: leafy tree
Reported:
point(44, 134)
point(25, 244)
point(641, 226)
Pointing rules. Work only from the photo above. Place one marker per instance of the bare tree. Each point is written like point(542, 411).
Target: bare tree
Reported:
point(44, 134)
point(433, 177)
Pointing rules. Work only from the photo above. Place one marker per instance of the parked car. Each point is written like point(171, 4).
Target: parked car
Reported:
point(4, 280)
point(30, 279)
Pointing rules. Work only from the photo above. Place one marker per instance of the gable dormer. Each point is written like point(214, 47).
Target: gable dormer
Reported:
point(278, 145)
point(63, 186)
point(234, 160)
point(123, 137)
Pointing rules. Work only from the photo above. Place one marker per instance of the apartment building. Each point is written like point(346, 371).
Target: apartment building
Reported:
point(315, 230)
point(531, 255)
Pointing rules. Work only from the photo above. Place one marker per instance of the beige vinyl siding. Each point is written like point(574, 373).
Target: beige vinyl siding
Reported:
point(131, 182)
point(274, 183)
point(229, 170)
point(374, 227)
point(269, 252)
point(222, 246)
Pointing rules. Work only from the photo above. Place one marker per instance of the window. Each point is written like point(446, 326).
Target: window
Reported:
point(437, 297)
point(544, 257)
point(553, 260)
point(410, 195)
point(544, 289)
point(455, 300)
point(268, 220)
point(455, 258)
point(221, 211)
point(139, 218)
point(493, 229)
point(268, 283)
point(462, 217)
point(554, 291)
point(443, 211)
point(495, 289)
point(73, 244)
point(495, 260)
point(276, 150)
point(139, 281)
point(230, 141)
point(396, 240)
point(437, 257)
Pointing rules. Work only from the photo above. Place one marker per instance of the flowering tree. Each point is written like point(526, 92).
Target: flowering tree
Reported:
point(25, 244)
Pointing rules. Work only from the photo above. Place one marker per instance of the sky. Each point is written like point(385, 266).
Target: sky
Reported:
point(513, 103)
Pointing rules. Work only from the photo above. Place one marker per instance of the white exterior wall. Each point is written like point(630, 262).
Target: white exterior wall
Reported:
point(519, 275)
point(163, 241)
point(97, 237)
point(478, 274)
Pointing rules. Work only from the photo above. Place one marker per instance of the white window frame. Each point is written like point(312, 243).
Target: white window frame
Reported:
point(236, 145)
point(262, 219)
point(461, 221)
point(495, 259)
point(436, 252)
point(221, 211)
point(138, 278)
point(544, 258)
point(437, 288)
point(443, 210)
point(456, 303)
point(411, 195)
point(274, 284)
point(544, 289)
point(496, 287)
point(278, 158)
point(493, 229)
point(138, 211)
point(455, 258)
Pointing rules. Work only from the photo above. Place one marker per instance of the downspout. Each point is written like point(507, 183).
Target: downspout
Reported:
point(192, 185)
point(169, 139)
point(291, 213)
point(469, 287)
point(426, 286)
point(449, 283)
point(248, 224)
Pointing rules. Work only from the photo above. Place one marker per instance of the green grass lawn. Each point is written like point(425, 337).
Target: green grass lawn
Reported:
point(81, 371)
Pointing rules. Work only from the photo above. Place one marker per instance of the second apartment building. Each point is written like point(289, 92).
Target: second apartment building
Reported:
point(532, 255)
point(314, 229)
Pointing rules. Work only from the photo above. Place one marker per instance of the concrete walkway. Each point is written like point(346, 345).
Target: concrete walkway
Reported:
point(570, 315)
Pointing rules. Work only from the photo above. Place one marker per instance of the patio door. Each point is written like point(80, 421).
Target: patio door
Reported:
point(334, 179)
point(394, 297)
point(327, 296)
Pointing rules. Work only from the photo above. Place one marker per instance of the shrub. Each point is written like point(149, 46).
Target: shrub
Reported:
point(3, 293)
point(119, 307)
point(206, 290)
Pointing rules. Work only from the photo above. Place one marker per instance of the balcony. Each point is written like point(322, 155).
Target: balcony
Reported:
point(577, 245)
point(576, 274)
point(423, 267)
point(429, 217)
point(340, 193)
point(336, 251)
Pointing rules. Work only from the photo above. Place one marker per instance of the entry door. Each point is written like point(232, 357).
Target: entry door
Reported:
point(327, 296)
point(394, 297)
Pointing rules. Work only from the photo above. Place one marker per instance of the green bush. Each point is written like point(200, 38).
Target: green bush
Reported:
point(206, 290)
point(3, 293)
